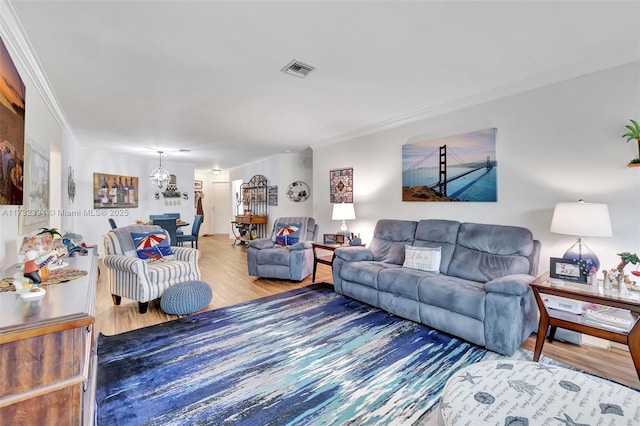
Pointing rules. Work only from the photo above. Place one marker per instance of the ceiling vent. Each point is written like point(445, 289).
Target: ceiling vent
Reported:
point(297, 68)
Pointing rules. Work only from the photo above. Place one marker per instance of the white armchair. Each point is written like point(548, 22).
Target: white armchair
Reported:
point(142, 280)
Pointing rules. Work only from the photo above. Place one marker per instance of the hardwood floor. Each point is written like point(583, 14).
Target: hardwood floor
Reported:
point(224, 267)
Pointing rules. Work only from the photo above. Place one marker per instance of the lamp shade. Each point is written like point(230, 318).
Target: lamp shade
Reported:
point(581, 219)
point(343, 211)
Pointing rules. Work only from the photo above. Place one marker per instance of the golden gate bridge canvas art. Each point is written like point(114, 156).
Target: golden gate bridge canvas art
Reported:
point(453, 168)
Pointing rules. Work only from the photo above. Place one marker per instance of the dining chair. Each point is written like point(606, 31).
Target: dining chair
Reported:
point(176, 216)
point(170, 226)
point(112, 223)
point(195, 231)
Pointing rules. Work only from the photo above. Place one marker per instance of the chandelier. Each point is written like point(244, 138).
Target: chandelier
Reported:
point(160, 176)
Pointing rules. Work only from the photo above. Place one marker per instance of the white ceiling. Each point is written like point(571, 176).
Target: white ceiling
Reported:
point(205, 75)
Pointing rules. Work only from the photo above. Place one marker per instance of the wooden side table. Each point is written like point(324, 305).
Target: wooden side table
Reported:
point(325, 259)
point(584, 293)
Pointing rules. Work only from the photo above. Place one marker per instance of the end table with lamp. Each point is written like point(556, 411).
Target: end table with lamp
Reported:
point(320, 254)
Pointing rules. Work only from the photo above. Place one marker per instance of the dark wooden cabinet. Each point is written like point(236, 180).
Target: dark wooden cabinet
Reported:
point(47, 352)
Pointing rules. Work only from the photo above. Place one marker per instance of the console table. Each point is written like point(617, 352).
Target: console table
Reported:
point(584, 293)
point(47, 351)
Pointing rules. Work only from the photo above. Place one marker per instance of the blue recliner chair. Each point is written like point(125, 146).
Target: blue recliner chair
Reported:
point(288, 254)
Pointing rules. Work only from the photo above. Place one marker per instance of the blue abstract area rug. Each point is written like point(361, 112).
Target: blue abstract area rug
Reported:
point(305, 357)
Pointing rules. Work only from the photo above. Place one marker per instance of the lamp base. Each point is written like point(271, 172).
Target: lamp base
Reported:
point(344, 230)
point(580, 251)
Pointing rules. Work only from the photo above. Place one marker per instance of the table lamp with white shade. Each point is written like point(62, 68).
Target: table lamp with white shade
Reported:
point(343, 212)
point(582, 220)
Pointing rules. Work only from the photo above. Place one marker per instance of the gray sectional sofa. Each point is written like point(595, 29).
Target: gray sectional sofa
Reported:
point(481, 292)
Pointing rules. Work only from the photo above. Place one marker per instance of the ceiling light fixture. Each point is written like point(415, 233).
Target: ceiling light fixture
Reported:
point(216, 172)
point(160, 176)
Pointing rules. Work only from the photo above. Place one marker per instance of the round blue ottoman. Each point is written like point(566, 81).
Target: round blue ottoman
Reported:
point(186, 298)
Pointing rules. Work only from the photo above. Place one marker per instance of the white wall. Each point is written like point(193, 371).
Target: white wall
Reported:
point(92, 223)
point(282, 170)
point(557, 143)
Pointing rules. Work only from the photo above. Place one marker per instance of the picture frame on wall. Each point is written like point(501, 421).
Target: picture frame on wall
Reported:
point(12, 131)
point(272, 195)
point(341, 185)
point(455, 168)
point(114, 191)
point(197, 185)
point(36, 189)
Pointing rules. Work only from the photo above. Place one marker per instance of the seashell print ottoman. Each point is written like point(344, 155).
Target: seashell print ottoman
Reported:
point(505, 392)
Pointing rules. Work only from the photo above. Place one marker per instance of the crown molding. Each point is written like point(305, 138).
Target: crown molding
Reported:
point(15, 39)
point(622, 57)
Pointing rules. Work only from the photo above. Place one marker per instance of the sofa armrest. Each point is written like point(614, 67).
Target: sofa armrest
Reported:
point(300, 245)
point(261, 243)
point(354, 254)
point(186, 254)
point(120, 262)
point(515, 284)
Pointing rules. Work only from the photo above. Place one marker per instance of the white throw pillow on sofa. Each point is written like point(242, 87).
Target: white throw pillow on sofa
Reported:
point(422, 258)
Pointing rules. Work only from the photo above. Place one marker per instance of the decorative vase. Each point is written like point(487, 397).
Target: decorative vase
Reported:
point(595, 284)
point(606, 285)
point(622, 287)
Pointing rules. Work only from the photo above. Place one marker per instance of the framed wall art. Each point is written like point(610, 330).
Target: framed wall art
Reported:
point(341, 186)
point(454, 168)
point(272, 195)
point(197, 185)
point(12, 137)
point(35, 213)
point(114, 191)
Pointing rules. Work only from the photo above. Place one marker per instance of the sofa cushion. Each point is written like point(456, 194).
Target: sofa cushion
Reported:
point(389, 239)
point(287, 233)
point(485, 252)
point(400, 281)
point(422, 258)
point(365, 273)
point(438, 233)
point(119, 241)
point(307, 227)
point(273, 256)
point(453, 294)
point(169, 273)
point(152, 245)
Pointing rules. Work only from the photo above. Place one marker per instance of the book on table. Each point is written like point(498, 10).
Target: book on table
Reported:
point(608, 316)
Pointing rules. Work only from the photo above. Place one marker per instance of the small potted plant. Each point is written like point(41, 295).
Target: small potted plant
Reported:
point(633, 134)
point(51, 231)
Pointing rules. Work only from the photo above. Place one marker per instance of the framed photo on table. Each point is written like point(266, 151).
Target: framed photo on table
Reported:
point(329, 239)
point(568, 270)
